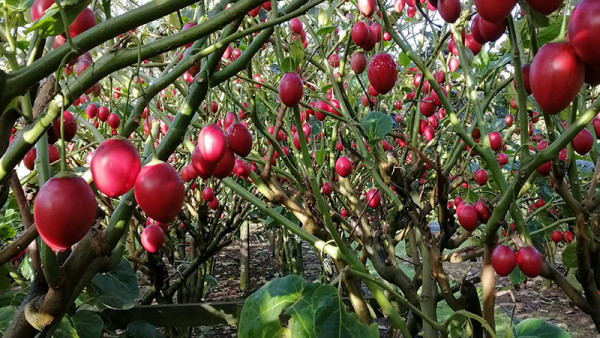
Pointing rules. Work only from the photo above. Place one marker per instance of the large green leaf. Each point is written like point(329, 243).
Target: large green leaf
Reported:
point(320, 313)
point(116, 289)
point(569, 256)
point(142, 329)
point(310, 309)
point(88, 324)
point(376, 125)
point(6, 316)
point(65, 330)
point(535, 327)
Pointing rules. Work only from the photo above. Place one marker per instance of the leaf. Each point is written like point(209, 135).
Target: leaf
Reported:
point(65, 330)
point(585, 168)
point(6, 281)
point(517, 276)
point(536, 327)
point(287, 65)
point(297, 52)
point(88, 324)
point(116, 289)
point(311, 309)
point(377, 124)
point(142, 329)
point(6, 316)
point(569, 256)
point(52, 24)
point(12, 298)
point(321, 313)
point(326, 30)
point(403, 60)
point(320, 156)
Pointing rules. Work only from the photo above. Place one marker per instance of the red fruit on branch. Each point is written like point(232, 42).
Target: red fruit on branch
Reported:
point(481, 176)
point(212, 143)
point(504, 260)
point(115, 166)
point(583, 142)
point(583, 31)
point(382, 72)
point(468, 218)
point(84, 21)
point(546, 6)
point(495, 140)
point(203, 168)
point(152, 238)
point(239, 139)
point(208, 194)
point(358, 62)
point(374, 198)
point(568, 236)
point(494, 10)
point(530, 261)
point(490, 31)
point(508, 120)
point(70, 126)
point(326, 188)
point(482, 211)
point(39, 7)
point(114, 121)
point(159, 191)
point(64, 211)
point(557, 236)
point(225, 165)
point(343, 166)
point(556, 76)
point(367, 7)
point(449, 10)
point(296, 26)
point(291, 89)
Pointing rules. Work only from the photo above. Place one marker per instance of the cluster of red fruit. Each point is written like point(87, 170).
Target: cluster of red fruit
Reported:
point(470, 215)
point(297, 28)
point(214, 153)
point(504, 260)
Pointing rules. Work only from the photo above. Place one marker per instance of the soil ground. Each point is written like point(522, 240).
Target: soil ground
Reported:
point(527, 301)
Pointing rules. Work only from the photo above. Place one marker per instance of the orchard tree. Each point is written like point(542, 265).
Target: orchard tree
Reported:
point(427, 132)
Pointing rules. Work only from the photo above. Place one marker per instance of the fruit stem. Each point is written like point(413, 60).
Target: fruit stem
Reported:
point(63, 145)
point(563, 29)
point(154, 155)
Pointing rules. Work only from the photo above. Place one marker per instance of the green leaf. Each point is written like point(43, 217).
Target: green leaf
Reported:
point(517, 276)
point(585, 168)
point(65, 330)
point(569, 256)
point(377, 124)
point(6, 281)
point(311, 309)
point(297, 52)
point(142, 329)
point(88, 324)
point(52, 24)
point(320, 156)
point(287, 65)
point(536, 327)
point(403, 60)
point(116, 289)
point(321, 313)
point(326, 30)
point(6, 316)
point(12, 298)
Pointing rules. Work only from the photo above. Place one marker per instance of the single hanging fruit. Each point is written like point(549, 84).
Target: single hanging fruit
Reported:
point(64, 211)
point(556, 76)
point(159, 191)
point(115, 166)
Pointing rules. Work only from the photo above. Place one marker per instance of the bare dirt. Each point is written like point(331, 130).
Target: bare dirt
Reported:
point(530, 299)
